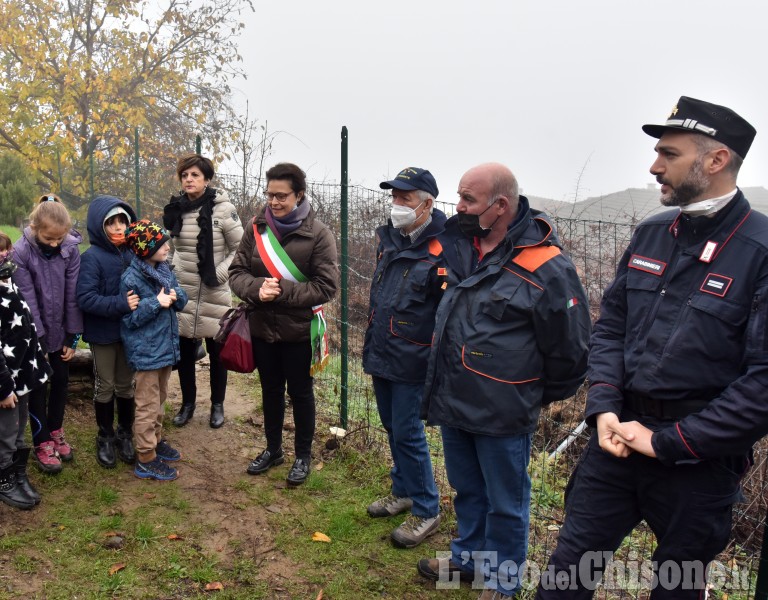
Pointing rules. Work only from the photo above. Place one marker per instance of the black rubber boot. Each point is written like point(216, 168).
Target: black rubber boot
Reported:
point(20, 459)
point(184, 415)
point(217, 415)
point(11, 493)
point(126, 409)
point(105, 441)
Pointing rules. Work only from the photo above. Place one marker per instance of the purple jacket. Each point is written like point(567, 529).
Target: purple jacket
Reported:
point(48, 286)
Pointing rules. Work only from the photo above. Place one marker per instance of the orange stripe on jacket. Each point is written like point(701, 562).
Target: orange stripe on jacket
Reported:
point(531, 259)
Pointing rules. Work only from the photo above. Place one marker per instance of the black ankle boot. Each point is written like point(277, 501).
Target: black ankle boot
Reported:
point(184, 415)
point(20, 459)
point(105, 452)
point(11, 493)
point(217, 415)
point(126, 409)
point(105, 441)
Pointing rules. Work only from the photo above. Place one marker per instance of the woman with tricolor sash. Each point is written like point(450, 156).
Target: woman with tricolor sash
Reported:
point(286, 268)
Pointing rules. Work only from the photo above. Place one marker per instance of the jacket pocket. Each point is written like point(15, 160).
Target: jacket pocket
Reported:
point(503, 366)
point(411, 329)
point(506, 292)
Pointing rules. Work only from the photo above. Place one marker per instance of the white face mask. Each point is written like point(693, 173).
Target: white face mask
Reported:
point(403, 216)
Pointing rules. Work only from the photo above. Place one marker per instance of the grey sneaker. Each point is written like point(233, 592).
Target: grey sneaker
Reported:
point(389, 506)
point(415, 530)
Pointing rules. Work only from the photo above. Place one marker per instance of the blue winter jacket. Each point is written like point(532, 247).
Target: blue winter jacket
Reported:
point(48, 286)
point(406, 288)
point(101, 266)
point(150, 333)
point(511, 331)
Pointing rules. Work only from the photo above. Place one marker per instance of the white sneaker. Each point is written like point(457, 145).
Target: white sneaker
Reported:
point(389, 506)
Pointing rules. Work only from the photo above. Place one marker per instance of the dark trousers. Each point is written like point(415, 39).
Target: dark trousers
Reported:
point(186, 368)
point(688, 508)
point(282, 364)
point(49, 416)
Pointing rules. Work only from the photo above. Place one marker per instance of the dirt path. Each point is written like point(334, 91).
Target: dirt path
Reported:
point(213, 462)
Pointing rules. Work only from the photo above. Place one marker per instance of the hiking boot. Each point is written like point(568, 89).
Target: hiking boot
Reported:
point(63, 449)
point(20, 459)
point(184, 415)
point(299, 472)
point(389, 506)
point(105, 452)
point(217, 416)
point(167, 452)
point(431, 569)
point(46, 457)
point(11, 493)
point(414, 530)
point(155, 469)
point(265, 461)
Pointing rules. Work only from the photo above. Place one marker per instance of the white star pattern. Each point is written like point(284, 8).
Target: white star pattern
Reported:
point(15, 373)
point(8, 351)
point(23, 391)
point(33, 362)
point(25, 305)
point(43, 379)
point(17, 322)
point(6, 302)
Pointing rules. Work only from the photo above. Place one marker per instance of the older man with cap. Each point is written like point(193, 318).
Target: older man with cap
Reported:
point(407, 286)
point(511, 334)
point(678, 369)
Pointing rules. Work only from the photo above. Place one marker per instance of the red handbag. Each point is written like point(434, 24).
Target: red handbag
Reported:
point(234, 338)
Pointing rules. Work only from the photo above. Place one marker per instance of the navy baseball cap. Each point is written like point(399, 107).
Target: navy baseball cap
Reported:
point(412, 178)
point(717, 122)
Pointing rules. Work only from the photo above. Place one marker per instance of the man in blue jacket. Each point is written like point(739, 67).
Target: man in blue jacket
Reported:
point(678, 369)
point(407, 286)
point(510, 335)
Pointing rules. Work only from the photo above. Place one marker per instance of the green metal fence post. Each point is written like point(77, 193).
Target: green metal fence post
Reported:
point(344, 275)
point(761, 591)
point(136, 168)
point(198, 144)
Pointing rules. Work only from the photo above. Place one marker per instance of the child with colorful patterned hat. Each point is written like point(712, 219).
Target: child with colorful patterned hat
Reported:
point(151, 339)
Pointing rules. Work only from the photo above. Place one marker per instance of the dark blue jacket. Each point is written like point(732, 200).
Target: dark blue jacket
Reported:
point(511, 332)
point(98, 286)
point(678, 329)
point(150, 333)
point(405, 292)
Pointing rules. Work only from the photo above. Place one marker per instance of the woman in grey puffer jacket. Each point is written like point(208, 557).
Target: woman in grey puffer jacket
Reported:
point(206, 232)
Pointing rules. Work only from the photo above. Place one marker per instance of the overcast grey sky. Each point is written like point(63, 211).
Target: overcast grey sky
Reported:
point(549, 88)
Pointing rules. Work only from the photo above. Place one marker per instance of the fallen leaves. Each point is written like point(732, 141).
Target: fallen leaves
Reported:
point(175, 537)
point(115, 568)
point(318, 536)
point(214, 586)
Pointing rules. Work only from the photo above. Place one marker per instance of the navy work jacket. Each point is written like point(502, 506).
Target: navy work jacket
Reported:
point(685, 321)
point(511, 331)
point(405, 291)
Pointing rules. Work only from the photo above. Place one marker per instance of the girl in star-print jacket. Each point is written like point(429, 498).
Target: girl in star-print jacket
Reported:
point(22, 368)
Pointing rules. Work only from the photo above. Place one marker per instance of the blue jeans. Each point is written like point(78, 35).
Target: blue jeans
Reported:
point(493, 497)
point(412, 475)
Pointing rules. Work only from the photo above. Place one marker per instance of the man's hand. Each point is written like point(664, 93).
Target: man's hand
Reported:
point(9, 402)
point(639, 438)
point(612, 435)
point(67, 353)
point(172, 294)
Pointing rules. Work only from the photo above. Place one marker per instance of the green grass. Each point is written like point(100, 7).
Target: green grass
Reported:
point(11, 231)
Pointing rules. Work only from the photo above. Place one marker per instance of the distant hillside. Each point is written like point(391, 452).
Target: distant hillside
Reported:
point(630, 205)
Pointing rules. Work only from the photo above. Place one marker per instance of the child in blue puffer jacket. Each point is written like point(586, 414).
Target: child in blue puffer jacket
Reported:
point(103, 306)
point(151, 339)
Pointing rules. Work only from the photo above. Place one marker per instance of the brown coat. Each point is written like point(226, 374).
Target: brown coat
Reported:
point(312, 248)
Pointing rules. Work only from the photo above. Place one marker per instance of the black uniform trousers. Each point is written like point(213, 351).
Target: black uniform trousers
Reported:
point(688, 507)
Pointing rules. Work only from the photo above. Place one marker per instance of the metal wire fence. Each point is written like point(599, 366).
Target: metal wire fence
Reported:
point(595, 247)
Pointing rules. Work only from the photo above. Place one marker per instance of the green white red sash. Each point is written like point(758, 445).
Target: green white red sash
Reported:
point(280, 266)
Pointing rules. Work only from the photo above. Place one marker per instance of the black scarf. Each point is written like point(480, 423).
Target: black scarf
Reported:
point(173, 219)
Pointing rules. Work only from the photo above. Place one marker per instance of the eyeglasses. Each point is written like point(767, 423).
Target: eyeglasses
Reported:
point(280, 197)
